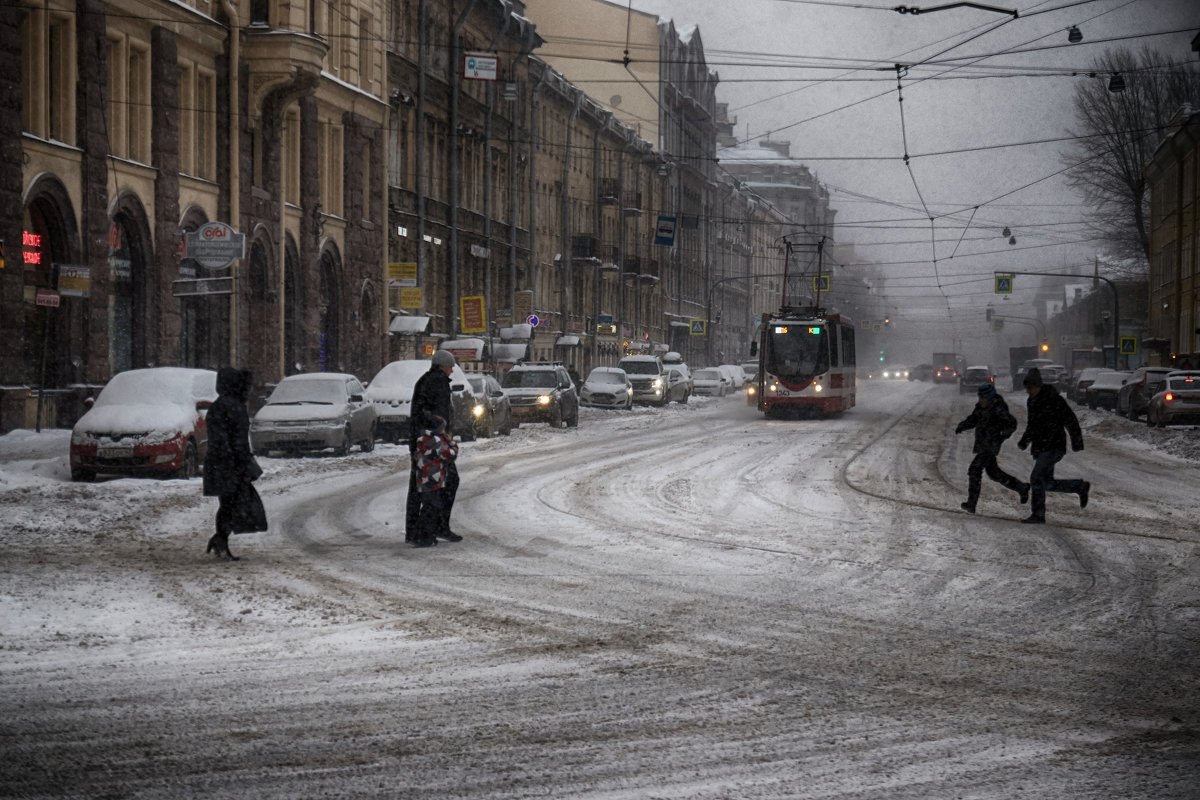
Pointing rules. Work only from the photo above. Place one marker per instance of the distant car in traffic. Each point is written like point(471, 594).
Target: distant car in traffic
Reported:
point(895, 373)
point(607, 387)
point(146, 422)
point(1178, 402)
point(1076, 389)
point(542, 393)
point(679, 383)
point(973, 377)
point(1143, 383)
point(314, 411)
point(921, 372)
point(709, 382)
point(1103, 391)
point(493, 412)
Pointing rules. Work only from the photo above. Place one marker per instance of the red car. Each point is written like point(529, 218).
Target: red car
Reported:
point(146, 422)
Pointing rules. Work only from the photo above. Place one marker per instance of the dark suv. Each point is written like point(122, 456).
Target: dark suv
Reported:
point(1133, 398)
point(542, 393)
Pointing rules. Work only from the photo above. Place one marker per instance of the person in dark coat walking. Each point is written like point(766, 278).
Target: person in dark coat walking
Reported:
point(431, 400)
point(228, 464)
point(1050, 421)
point(993, 423)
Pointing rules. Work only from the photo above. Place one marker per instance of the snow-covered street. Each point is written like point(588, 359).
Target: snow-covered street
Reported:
point(689, 602)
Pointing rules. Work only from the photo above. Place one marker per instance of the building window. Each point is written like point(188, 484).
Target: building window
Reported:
point(329, 147)
point(197, 121)
point(129, 99)
point(366, 52)
point(48, 64)
point(291, 156)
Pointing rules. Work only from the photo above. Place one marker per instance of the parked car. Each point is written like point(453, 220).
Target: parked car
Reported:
point(1103, 391)
point(895, 373)
point(921, 372)
point(493, 414)
point(314, 411)
point(542, 393)
point(1143, 383)
point(1078, 386)
point(736, 374)
point(972, 377)
point(751, 370)
point(390, 392)
point(679, 383)
point(146, 422)
point(1057, 375)
point(709, 382)
point(607, 387)
point(1178, 402)
point(649, 378)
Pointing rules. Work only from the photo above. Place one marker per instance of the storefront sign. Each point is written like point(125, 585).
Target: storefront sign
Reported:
point(74, 280)
point(215, 245)
point(402, 273)
point(480, 66)
point(471, 310)
point(47, 298)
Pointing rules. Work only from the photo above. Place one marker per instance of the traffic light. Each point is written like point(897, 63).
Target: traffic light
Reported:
point(1045, 346)
point(881, 355)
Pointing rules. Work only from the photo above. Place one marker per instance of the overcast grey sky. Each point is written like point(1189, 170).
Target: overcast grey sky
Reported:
point(842, 116)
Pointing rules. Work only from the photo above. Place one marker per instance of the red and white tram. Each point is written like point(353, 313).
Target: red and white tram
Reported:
point(805, 363)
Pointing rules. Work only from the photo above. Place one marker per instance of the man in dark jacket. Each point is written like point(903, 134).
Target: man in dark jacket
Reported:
point(1046, 430)
point(228, 462)
point(993, 423)
point(431, 400)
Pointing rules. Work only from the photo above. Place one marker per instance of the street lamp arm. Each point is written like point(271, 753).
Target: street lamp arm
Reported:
point(1111, 285)
point(914, 10)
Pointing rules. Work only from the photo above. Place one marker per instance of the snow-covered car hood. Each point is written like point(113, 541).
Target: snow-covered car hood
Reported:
point(167, 420)
point(315, 412)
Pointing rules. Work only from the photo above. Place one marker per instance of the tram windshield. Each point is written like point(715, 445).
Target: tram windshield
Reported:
point(797, 351)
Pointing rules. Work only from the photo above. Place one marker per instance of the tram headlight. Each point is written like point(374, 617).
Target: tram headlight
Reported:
point(817, 387)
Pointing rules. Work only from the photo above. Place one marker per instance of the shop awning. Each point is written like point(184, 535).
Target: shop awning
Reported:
point(521, 330)
point(464, 349)
point(567, 341)
point(509, 353)
point(408, 326)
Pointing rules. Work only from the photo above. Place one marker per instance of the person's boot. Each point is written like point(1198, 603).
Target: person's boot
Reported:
point(1034, 519)
point(1083, 494)
point(1024, 491)
point(968, 507)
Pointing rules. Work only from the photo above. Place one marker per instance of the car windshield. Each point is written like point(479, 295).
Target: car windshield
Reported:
point(707, 375)
point(640, 367)
point(530, 379)
point(476, 382)
point(606, 377)
point(324, 392)
point(1182, 383)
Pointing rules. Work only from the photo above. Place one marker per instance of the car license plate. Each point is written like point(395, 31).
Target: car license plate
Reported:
point(115, 452)
point(291, 436)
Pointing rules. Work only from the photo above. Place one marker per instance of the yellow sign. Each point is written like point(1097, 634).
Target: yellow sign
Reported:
point(402, 273)
point(412, 298)
point(470, 310)
point(820, 283)
point(1004, 284)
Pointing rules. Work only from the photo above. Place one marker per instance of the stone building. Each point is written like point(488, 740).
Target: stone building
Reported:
point(1174, 278)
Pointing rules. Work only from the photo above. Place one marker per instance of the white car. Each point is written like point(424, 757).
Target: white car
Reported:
point(736, 374)
point(607, 387)
point(710, 382)
point(314, 411)
point(391, 390)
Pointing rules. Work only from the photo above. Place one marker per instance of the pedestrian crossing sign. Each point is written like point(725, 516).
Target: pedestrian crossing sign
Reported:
point(1004, 284)
point(1129, 345)
point(697, 327)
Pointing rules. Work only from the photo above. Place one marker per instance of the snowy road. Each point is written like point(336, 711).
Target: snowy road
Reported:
point(690, 602)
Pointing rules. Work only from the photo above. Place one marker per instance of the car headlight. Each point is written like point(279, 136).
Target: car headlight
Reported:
point(657, 384)
point(477, 410)
point(543, 399)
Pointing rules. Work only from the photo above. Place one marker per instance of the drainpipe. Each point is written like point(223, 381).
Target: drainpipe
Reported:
point(235, 177)
point(455, 57)
point(565, 214)
point(422, 56)
point(534, 105)
point(488, 310)
point(513, 131)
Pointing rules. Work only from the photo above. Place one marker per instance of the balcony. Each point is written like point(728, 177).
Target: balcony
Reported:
point(283, 65)
point(608, 191)
point(633, 204)
point(584, 248)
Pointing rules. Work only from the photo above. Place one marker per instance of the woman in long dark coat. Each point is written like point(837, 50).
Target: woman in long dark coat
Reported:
point(229, 466)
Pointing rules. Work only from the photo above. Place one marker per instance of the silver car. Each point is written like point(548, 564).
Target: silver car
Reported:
point(607, 387)
point(314, 411)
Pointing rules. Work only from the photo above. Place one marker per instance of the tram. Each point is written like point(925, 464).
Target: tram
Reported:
point(805, 363)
